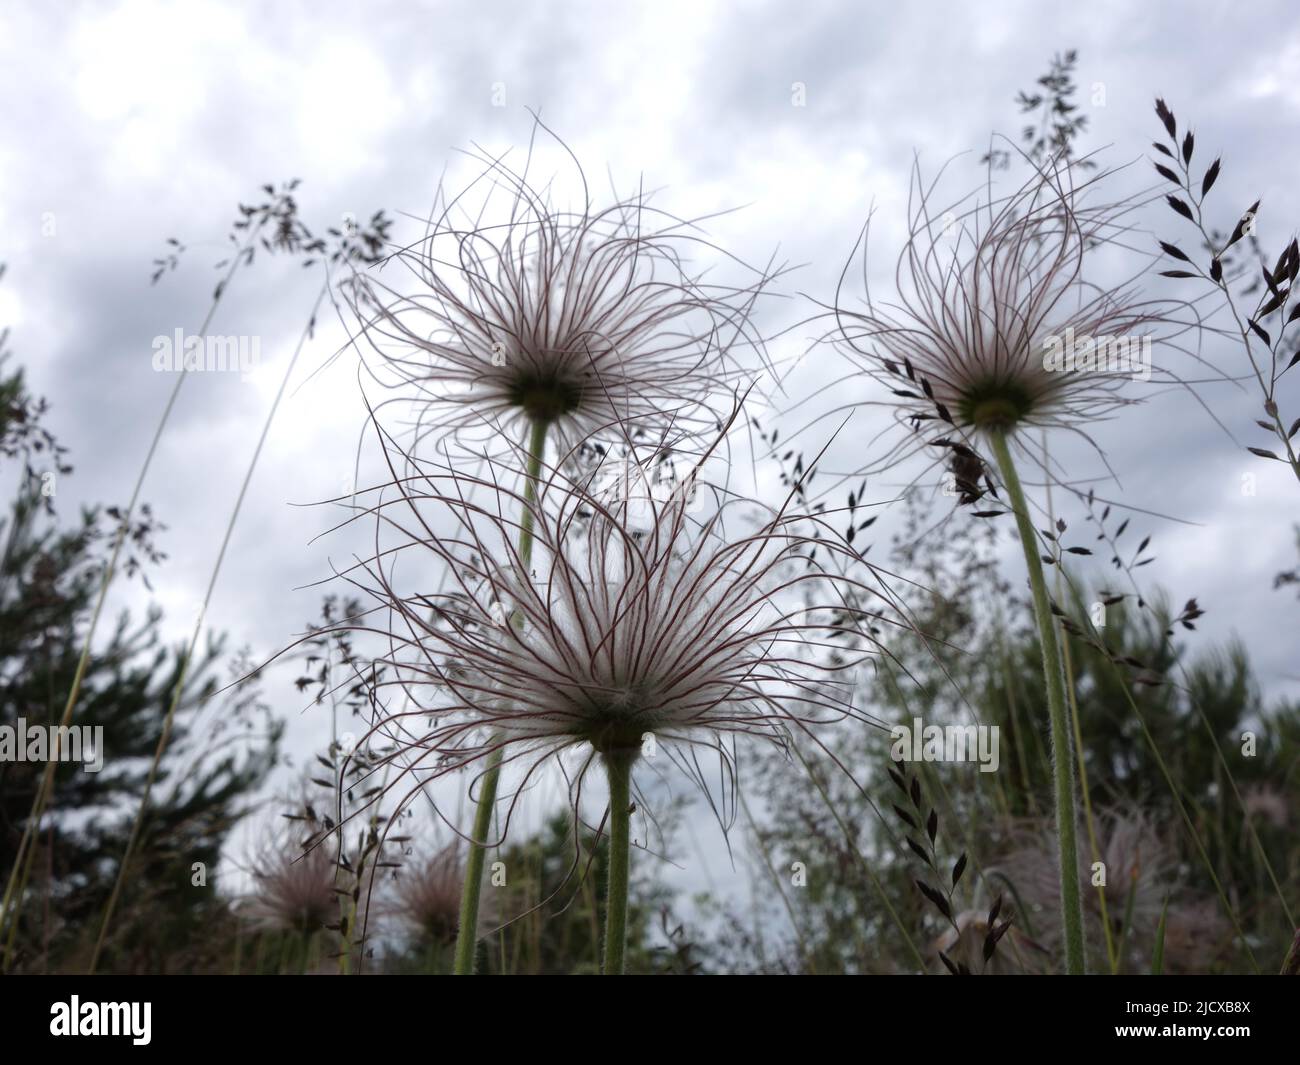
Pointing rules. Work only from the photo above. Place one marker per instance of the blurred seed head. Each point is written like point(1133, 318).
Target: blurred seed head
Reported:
point(1267, 803)
point(294, 889)
point(1141, 876)
point(428, 896)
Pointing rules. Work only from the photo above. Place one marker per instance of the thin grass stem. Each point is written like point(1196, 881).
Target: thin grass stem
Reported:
point(183, 674)
point(22, 859)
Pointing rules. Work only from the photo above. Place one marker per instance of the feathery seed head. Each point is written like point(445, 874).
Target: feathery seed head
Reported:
point(295, 889)
point(1002, 321)
point(636, 619)
point(428, 895)
point(578, 319)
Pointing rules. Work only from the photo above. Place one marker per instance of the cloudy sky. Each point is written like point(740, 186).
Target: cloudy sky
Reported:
point(125, 124)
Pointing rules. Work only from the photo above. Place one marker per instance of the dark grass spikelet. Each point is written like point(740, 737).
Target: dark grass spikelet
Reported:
point(921, 822)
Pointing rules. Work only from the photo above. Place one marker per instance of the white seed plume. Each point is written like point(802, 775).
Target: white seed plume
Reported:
point(639, 626)
point(515, 311)
point(1004, 318)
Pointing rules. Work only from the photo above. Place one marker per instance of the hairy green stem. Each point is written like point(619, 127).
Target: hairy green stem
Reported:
point(471, 891)
point(1054, 678)
point(618, 766)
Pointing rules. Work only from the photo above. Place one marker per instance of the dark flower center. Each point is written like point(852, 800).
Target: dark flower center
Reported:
point(543, 397)
point(618, 721)
point(995, 404)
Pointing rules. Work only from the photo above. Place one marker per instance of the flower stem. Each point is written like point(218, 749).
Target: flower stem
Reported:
point(467, 932)
point(618, 766)
point(1054, 678)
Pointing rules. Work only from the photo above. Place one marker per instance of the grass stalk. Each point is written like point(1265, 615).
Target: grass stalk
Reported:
point(17, 881)
point(183, 675)
point(1089, 821)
